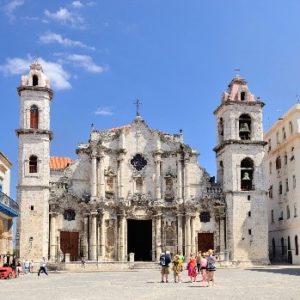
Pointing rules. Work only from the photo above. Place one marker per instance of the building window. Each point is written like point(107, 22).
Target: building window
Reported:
point(285, 158)
point(277, 138)
point(282, 246)
point(288, 214)
point(270, 167)
point(296, 245)
point(281, 216)
point(35, 80)
point(31, 207)
point(243, 96)
point(294, 181)
point(249, 213)
point(283, 133)
point(291, 127)
point(280, 188)
point(138, 162)
point(249, 231)
point(272, 216)
point(69, 215)
point(269, 145)
point(205, 217)
point(271, 192)
point(278, 163)
point(245, 127)
point(286, 184)
point(295, 211)
point(33, 164)
point(34, 117)
point(247, 174)
point(292, 154)
point(273, 247)
point(221, 128)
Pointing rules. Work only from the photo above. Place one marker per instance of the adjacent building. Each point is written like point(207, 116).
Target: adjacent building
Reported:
point(8, 210)
point(134, 189)
point(282, 165)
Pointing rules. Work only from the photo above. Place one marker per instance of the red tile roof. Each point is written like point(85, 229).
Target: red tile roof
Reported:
point(59, 163)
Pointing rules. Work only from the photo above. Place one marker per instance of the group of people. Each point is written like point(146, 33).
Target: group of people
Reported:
point(203, 263)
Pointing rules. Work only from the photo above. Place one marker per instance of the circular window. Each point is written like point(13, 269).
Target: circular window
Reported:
point(138, 162)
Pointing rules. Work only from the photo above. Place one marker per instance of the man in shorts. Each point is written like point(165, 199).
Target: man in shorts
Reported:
point(164, 261)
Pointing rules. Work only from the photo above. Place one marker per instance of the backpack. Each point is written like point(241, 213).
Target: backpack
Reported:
point(211, 263)
point(162, 260)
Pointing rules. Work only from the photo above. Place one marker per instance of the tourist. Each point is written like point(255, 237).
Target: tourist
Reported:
point(199, 256)
point(83, 263)
point(192, 268)
point(19, 268)
point(31, 266)
point(26, 266)
point(43, 267)
point(211, 267)
point(203, 266)
point(177, 266)
point(164, 261)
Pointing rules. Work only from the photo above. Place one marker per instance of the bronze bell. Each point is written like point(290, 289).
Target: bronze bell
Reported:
point(244, 127)
point(246, 176)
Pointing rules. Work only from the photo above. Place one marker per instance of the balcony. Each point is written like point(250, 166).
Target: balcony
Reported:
point(8, 206)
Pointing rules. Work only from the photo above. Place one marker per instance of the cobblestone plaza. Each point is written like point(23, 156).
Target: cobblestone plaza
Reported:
point(274, 282)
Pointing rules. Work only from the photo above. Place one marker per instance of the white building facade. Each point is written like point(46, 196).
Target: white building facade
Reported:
point(282, 164)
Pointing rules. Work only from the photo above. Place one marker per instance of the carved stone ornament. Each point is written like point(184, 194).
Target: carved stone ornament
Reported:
point(138, 162)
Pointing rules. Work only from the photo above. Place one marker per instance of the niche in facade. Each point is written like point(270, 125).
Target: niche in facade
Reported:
point(69, 215)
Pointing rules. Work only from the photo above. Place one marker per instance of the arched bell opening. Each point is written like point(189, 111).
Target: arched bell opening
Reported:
point(247, 171)
point(245, 127)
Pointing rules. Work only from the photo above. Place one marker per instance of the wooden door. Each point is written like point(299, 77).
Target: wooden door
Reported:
point(205, 241)
point(69, 243)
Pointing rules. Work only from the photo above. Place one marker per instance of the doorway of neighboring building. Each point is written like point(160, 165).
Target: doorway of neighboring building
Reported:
point(205, 241)
point(69, 243)
point(139, 239)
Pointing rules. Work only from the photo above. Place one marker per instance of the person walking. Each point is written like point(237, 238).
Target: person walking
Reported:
point(203, 266)
point(83, 263)
point(199, 256)
point(177, 266)
point(211, 267)
point(164, 261)
point(43, 267)
point(192, 268)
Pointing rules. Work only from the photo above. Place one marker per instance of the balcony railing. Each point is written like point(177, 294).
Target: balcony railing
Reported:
point(8, 205)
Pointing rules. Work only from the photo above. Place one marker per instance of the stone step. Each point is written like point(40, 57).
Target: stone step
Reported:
point(145, 265)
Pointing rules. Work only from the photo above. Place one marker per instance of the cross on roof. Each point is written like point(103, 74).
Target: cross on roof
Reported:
point(137, 103)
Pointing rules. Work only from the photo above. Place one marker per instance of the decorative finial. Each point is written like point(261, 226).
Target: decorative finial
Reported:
point(137, 103)
point(237, 71)
point(298, 98)
point(92, 127)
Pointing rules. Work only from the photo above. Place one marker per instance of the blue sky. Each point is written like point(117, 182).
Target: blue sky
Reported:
point(177, 57)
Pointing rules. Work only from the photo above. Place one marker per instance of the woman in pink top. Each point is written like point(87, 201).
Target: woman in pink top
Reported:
point(192, 268)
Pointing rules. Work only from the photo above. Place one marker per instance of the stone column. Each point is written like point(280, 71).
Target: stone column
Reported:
point(186, 179)
point(93, 237)
point(53, 246)
point(120, 175)
point(85, 235)
point(187, 235)
point(193, 244)
point(222, 234)
point(122, 222)
point(94, 176)
point(101, 176)
point(102, 236)
point(179, 177)
point(158, 236)
point(179, 233)
point(158, 176)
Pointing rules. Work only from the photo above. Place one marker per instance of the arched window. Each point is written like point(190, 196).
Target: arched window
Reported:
point(33, 164)
point(291, 127)
point(282, 245)
point(278, 163)
point(245, 127)
point(273, 247)
point(243, 96)
point(34, 117)
point(69, 214)
point(288, 214)
point(221, 128)
point(270, 167)
point(296, 245)
point(247, 170)
point(35, 80)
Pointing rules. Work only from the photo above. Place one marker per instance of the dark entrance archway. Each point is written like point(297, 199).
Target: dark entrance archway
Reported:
point(139, 239)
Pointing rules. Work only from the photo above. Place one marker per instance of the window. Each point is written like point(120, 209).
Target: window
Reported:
point(243, 96)
point(270, 167)
point(273, 247)
point(69, 214)
point(269, 145)
point(277, 138)
point(282, 245)
point(295, 211)
point(272, 216)
point(249, 213)
point(288, 214)
point(280, 188)
point(35, 80)
point(296, 245)
point(31, 207)
point(283, 134)
point(281, 216)
point(294, 181)
point(247, 174)
point(138, 162)
point(292, 154)
point(33, 164)
point(221, 127)
point(245, 127)
point(34, 117)
point(205, 217)
point(249, 231)
point(286, 184)
point(271, 192)
point(285, 159)
point(278, 163)
point(291, 127)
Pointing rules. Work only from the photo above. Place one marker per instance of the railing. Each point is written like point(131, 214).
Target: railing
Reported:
point(9, 202)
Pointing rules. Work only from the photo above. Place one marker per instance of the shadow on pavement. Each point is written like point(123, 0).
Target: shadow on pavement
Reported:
point(285, 271)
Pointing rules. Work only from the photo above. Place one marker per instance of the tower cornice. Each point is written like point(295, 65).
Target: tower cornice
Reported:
point(35, 131)
point(238, 142)
point(237, 102)
point(35, 88)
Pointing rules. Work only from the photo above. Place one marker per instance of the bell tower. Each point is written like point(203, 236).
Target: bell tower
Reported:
point(33, 164)
point(239, 156)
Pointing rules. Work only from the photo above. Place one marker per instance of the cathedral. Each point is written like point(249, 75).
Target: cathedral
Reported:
point(136, 191)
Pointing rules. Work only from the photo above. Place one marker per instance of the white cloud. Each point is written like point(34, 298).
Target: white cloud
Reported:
point(64, 16)
point(52, 37)
point(59, 77)
point(104, 111)
point(11, 6)
point(77, 4)
point(86, 62)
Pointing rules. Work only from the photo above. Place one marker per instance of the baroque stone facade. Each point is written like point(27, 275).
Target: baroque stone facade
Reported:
point(132, 189)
